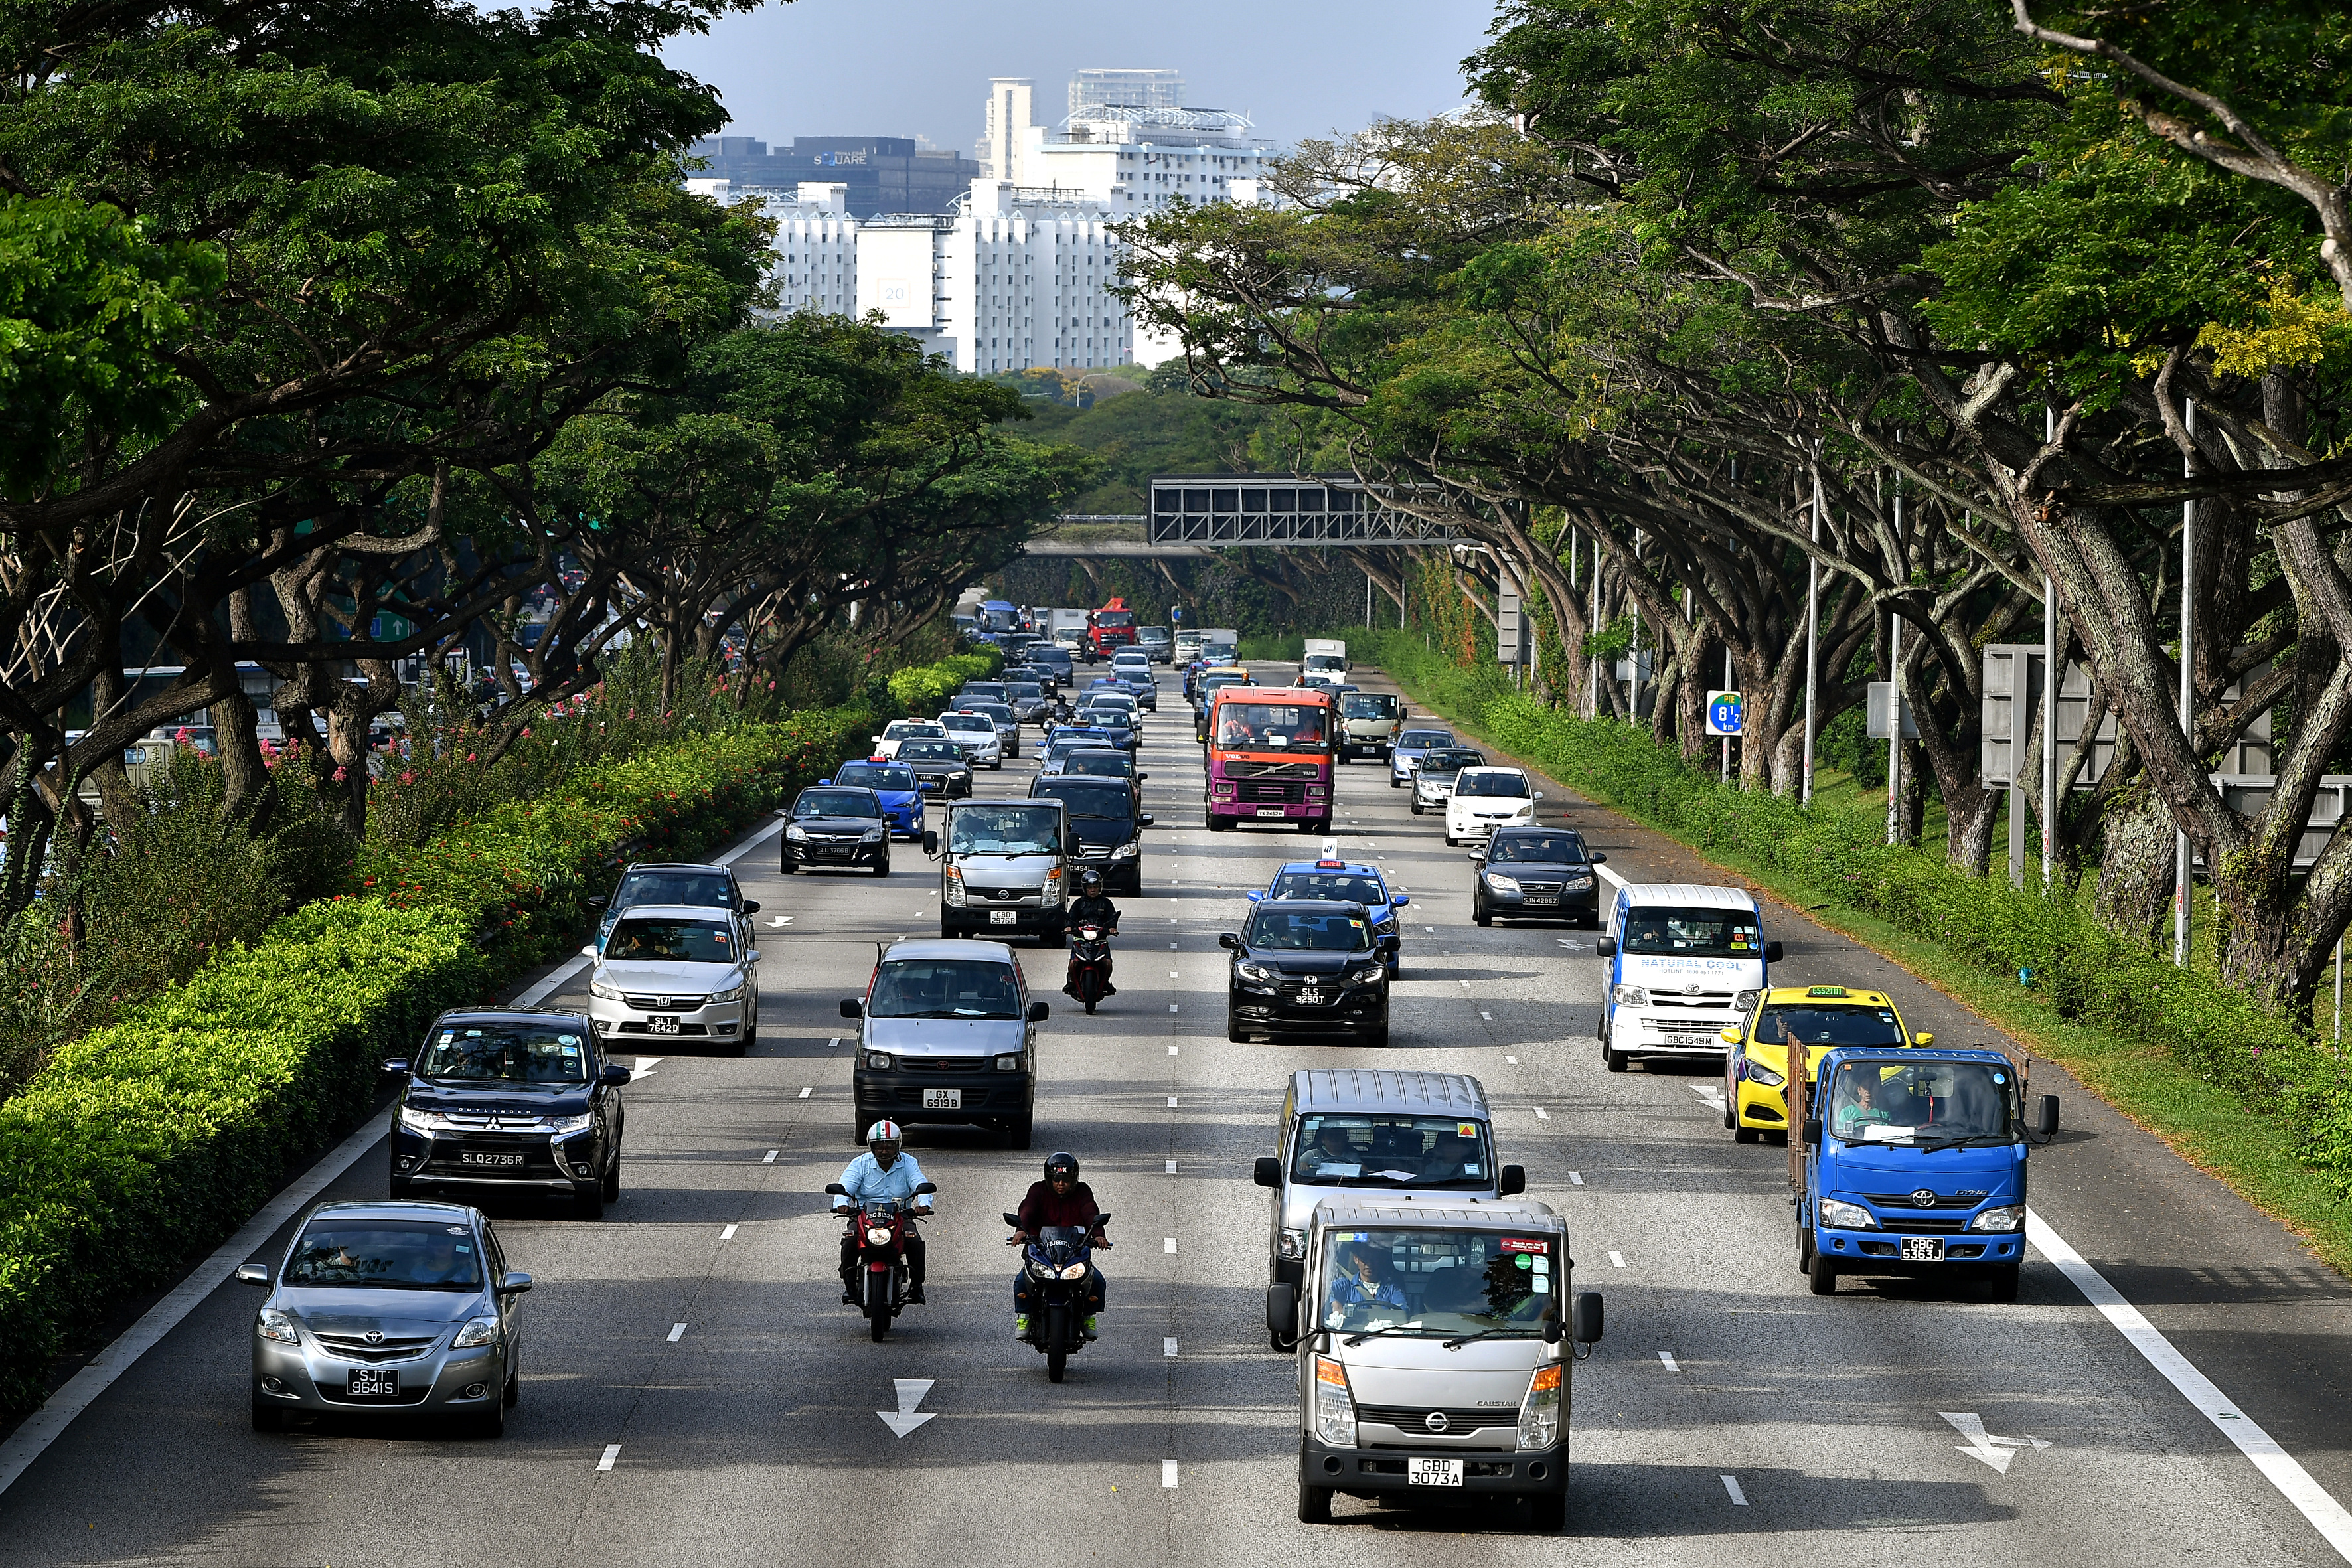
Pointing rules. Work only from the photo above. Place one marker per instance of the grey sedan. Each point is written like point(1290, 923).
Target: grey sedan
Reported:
point(1410, 746)
point(388, 1308)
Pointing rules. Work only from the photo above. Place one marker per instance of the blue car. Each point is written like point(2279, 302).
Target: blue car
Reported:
point(1332, 877)
point(894, 784)
point(1113, 727)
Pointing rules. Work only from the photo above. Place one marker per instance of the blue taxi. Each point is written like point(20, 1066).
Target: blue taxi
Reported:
point(1329, 877)
point(894, 784)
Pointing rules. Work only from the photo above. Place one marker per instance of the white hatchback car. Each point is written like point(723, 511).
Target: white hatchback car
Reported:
point(886, 744)
point(982, 742)
point(1487, 798)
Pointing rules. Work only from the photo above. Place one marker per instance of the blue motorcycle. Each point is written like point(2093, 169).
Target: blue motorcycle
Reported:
point(1057, 1263)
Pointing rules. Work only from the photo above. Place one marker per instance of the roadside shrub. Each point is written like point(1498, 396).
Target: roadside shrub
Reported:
point(923, 690)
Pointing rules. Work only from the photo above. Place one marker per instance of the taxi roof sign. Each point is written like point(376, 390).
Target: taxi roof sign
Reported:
point(1825, 991)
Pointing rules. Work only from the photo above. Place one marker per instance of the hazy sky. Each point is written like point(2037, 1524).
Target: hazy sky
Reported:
point(1299, 67)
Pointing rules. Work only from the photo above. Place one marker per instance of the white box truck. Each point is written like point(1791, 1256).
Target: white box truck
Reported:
point(1067, 627)
point(1325, 656)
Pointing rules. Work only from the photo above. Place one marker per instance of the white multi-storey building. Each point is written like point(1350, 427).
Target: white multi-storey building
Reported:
point(815, 260)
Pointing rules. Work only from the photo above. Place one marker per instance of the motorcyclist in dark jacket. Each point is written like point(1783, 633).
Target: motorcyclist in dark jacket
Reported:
point(1091, 909)
point(1061, 1199)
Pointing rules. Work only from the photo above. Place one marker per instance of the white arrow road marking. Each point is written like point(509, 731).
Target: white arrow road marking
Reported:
point(1738, 1498)
point(645, 1065)
point(906, 1418)
point(1994, 1451)
point(779, 923)
point(1575, 946)
point(612, 1453)
point(1709, 1093)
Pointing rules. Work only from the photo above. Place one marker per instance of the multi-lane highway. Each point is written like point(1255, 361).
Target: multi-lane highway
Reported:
point(694, 1393)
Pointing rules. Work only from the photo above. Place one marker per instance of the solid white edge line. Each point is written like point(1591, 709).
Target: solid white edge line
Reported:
point(531, 997)
point(612, 1453)
point(774, 826)
point(1614, 879)
point(2278, 1467)
point(44, 1426)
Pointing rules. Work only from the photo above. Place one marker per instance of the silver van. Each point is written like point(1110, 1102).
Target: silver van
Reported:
point(1429, 1361)
point(1005, 867)
point(946, 1032)
point(1357, 1135)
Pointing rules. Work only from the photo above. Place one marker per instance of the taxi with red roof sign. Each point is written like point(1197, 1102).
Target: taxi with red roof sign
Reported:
point(1330, 876)
point(1756, 1049)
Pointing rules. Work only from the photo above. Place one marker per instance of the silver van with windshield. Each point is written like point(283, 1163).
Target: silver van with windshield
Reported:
point(1005, 868)
point(1357, 1135)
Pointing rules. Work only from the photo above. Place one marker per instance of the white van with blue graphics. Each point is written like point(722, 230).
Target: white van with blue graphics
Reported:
point(1686, 963)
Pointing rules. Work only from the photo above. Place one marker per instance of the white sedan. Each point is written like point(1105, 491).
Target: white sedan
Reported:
point(886, 744)
point(673, 973)
point(1487, 798)
point(982, 742)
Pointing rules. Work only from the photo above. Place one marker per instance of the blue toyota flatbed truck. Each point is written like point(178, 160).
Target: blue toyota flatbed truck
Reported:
point(1915, 1164)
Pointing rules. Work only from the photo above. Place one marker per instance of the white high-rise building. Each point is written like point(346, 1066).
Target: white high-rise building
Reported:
point(815, 248)
point(1126, 88)
point(1005, 127)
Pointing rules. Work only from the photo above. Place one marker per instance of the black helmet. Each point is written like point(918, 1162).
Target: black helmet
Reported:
point(1061, 1162)
point(1090, 883)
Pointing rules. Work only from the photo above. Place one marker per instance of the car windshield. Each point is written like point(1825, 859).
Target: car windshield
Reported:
point(1368, 705)
point(663, 939)
point(875, 775)
point(834, 803)
point(1440, 1284)
point(1394, 1151)
point(944, 988)
point(1105, 718)
point(1423, 739)
point(1113, 764)
point(913, 729)
point(504, 1052)
point(932, 751)
point(1565, 847)
point(1438, 765)
point(707, 889)
point(1000, 713)
point(970, 723)
point(1656, 930)
point(1092, 802)
point(1309, 931)
point(385, 1255)
point(1924, 1102)
point(1821, 1024)
point(1279, 724)
point(1005, 830)
point(1028, 691)
point(1352, 887)
point(1495, 783)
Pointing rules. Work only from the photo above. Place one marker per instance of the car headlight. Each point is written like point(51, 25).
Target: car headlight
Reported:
point(1334, 1407)
point(425, 1120)
point(1539, 1417)
point(1501, 883)
point(1291, 1244)
point(796, 833)
point(1841, 1216)
point(871, 835)
point(1629, 997)
point(1008, 1064)
point(1742, 1001)
point(579, 1123)
point(2009, 1216)
point(1759, 1073)
point(876, 1061)
point(1074, 1271)
point(1578, 884)
point(274, 1325)
point(1127, 852)
point(604, 988)
point(1367, 976)
point(1256, 972)
point(732, 993)
point(876, 1235)
point(960, 774)
point(479, 1331)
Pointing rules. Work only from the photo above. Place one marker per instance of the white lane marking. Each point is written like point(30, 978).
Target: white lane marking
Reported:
point(771, 1158)
point(807, 1089)
point(1616, 1260)
point(906, 1418)
point(1611, 877)
point(2295, 1483)
point(44, 1425)
point(830, 1044)
point(677, 1332)
point(612, 1453)
point(1576, 1178)
point(556, 980)
point(779, 923)
point(728, 1235)
point(774, 826)
point(1171, 1006)
point(644, 1066)
point(1167, 1472)
point(1738, 1498)
point(1171, 1102)
point(1174, 976)
point(1513, 1060)
point(1168, 1347)
point(1172, 1243)
point(1488, 1015)
point(1171, 1167)
point(1465, 983)
point(1431, 930)
point(1981, 1445)
point(1710, 1093)
point(1540, 1115)
point(1171, 1050)
point(1668, 1357)
point(1171, 947)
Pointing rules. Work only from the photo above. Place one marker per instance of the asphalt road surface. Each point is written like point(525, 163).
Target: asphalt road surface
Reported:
point(694, 1393)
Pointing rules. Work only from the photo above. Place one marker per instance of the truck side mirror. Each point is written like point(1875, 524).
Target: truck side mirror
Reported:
point(1588, 1318)
point(1267, 1172)
point(2045, 1120)
point(1282, 1310)
point(931, 843)
point(1514, 1179)
point(852, 1007)
point(1771, 952)
point(1812, 1130)
point(1039, 1011)
point(1606, 947)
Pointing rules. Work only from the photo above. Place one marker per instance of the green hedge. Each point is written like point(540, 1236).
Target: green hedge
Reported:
point(924, 690)
point(144, 1144)
point(2085, 974)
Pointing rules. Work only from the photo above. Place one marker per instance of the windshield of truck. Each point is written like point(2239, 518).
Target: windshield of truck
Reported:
point(944, 988)
point(1368, 705)
point(1005, 830)
point(385, 1255)
point(1923, 1103)
point(1350, 887)
point(1393, 1152)
point(1116, 620)
point(1301, 930)
point(1818, 1024)
point(1513, 784)
point(875, 775)
point(1658, 930)
point(1288, 726)
point(1440, 1283)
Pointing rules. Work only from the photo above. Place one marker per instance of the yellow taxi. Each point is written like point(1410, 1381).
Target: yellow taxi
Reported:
point(1756, 1050)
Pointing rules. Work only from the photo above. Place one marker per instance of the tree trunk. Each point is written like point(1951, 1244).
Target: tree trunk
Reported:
point(250, 795)
point(2135, 891)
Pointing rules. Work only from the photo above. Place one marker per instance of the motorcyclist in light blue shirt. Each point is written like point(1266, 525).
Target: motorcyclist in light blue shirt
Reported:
point(884, 1171)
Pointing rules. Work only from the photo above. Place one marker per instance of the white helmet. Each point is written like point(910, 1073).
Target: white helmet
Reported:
point(883, 1132)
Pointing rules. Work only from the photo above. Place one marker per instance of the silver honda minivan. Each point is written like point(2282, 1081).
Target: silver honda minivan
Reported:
point(1355, 1135)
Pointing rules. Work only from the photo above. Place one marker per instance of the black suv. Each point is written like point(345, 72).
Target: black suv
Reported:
point(520, 1098)
point(1307, 966)
point(1108, 821)
point(1544, 872)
